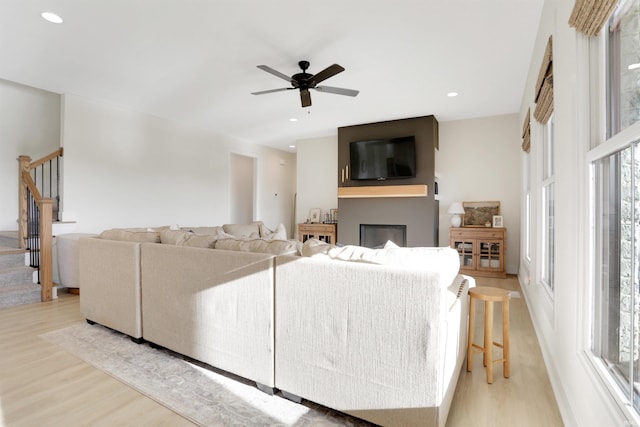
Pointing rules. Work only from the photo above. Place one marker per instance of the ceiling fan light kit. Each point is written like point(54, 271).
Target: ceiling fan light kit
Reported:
point(304, 81)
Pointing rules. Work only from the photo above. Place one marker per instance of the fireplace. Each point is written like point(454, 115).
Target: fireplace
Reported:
point(376, 235)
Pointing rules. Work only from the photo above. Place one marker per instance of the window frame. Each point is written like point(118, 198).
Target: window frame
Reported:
point(598, 111)
point(527, 246)
point(547, 242)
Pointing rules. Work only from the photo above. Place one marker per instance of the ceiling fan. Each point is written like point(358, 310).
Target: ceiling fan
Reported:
point(305, 81)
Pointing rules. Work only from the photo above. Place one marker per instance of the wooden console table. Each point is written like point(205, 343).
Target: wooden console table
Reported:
point(326, 232)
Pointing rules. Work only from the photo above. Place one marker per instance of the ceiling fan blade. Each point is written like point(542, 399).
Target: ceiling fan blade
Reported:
point(330, 71)
point(305, 98)
point(275, 72)
point(337, 90)
point(262, 92)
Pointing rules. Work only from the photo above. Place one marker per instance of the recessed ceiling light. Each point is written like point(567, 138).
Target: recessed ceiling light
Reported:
point(633, 66)
point(292, 146)
point(452, 94)
point(293, 119)
point(51, 17)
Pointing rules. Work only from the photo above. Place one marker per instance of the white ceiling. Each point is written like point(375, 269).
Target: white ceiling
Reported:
point(194, 61)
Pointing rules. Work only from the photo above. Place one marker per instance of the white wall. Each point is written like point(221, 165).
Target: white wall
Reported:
point(561, 321)
point(29, 125)
point(317, 176)
point(479, 160)
point(128, 169)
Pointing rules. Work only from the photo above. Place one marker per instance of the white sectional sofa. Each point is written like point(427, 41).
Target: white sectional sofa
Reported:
point(379, 334)
point(381, 342)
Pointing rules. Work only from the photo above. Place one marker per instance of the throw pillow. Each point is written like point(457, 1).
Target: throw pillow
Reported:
point(315, 248)
point(358, 254)
point(390, 244)
point(242, 230)
point(280, 233)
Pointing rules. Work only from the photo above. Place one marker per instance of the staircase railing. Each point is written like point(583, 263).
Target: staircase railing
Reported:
point(36, 180)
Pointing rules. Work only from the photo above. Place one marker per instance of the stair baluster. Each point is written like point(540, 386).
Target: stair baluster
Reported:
point(36, 214)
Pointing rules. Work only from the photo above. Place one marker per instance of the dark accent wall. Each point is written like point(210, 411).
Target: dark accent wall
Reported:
point(419, 214)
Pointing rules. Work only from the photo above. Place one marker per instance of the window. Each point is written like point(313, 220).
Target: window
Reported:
point(548, 206)
point(616, 338)
point(623, 62)
point(615, 201)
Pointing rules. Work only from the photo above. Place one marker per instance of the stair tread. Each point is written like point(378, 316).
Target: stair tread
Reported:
point(19, 294)
point(8, 259)
point(9, 240)
point(24, 286)
point(12, 275)
point(11, 269)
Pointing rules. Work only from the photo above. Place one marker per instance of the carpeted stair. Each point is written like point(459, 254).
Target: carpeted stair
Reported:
point(16, 278)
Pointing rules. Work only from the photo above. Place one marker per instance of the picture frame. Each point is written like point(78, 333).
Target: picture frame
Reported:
point(314, 215)
point(478, 214)
point(497, 221)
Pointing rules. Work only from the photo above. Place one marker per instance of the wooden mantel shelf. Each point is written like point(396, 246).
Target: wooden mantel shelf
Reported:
point(418, 190)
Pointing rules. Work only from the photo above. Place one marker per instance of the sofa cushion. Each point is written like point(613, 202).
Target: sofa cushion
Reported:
point(280, 233)
point(445, 260)
point(243, 230)
point(172, 237)
point(275, 247)
point(199, 241)
point(208, 231)
point(145, 235)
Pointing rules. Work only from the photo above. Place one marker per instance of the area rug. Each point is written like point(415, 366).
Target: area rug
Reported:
point(205, 396)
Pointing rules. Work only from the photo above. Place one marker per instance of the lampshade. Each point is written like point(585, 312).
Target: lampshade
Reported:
point(456, 208)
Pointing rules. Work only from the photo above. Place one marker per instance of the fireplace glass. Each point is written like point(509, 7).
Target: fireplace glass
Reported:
point(376, 235)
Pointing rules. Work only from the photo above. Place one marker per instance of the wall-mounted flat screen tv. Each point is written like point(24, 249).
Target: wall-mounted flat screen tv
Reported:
point(381, 159)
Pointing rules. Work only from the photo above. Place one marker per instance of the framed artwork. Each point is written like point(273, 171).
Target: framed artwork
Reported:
point(314, 215)
point(479, 214)
point(497, 221)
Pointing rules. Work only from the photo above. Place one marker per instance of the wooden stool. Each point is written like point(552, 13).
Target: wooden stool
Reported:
point(489, 296)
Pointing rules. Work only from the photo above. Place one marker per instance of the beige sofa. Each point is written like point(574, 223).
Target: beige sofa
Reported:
point(110, 282)
point(362, 331)
point(216, 306)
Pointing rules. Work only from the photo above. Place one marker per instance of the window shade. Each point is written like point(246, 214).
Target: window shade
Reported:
point(544, 86)
point(589, 16)
point(526, 133)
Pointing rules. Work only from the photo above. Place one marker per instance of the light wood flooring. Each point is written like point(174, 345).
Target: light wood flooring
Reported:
point(525, 399)
point(42, 385)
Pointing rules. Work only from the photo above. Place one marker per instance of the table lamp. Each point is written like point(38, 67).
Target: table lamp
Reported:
point(456, 210)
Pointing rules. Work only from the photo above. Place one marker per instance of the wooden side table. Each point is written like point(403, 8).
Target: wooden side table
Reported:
point(482, 250)
point(325, 232)
point(489, 295)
